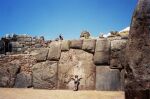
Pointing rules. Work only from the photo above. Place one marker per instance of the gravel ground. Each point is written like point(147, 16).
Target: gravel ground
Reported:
point(14, 93)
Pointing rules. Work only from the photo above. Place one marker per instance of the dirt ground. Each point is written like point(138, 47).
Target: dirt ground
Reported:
point(12, 93)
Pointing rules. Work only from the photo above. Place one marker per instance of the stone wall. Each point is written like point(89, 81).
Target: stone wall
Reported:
point(95, 61)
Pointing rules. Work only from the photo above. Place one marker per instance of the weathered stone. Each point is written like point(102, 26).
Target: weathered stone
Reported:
point(76, 62)
point(8, 73)
point(54, 50)
point(102, 45)
point(2, 47)
point(107, 79)
point(117, 57)
point(101, 58)
point(24, 39)
point(114, 38)
point(122, 73)
point(137, 94)
point(89, 45)
point(37, 45)
point(65, 46)
point(23, 80)
point(115, 63)
point(40, 54)
point(118, 44)
point(45, 75)
point(138, 48)
point(76, 44)
point(16, 45)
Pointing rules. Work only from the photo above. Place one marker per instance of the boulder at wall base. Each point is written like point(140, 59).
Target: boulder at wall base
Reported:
point(54, 50)
point(107, 79)
point(45, 75)
point(101, 58)
point(8, 73)
point(40, 54)
point(76, 62)
point(65, 46)
point(89, 45)
point(76, 44)
point(23, 80)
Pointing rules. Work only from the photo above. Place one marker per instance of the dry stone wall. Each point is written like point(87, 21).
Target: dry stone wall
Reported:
point(96, 61)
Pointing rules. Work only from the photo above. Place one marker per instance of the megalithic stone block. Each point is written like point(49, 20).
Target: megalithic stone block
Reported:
point(23, 80)
point(76, 44)
point(102, 45)
point(54, 51)
point(76, 62)
point(45, 75)
point(107, 79)
point(101, 58)
point(40, 54)
point(89, 45)
point(65, 45)
point(102, 52)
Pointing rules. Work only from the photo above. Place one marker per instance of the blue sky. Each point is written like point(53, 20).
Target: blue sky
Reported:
point(68, 17)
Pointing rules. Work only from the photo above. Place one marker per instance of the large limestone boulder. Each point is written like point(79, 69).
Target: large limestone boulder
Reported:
point(8, 73)
point(107, 79)
point(117, 54)
point(39, 54)
point(76, 62)
point(45, 75)
point(76, 44)
point(102, 52)
point(137, 80)
point(118, 44)
point(54, 50)
point(65, 46)
point(102, 45)
point(89, 45)
point(23, 80)
point(138, 48)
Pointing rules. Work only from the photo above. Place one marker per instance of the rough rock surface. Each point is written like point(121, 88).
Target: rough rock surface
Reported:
point(137, 53)
point(76, 62)
point(102, 52)
point(89, 45)
point(39, 54)
point(118, 44)
point(102, 45)
point(76, 44)
point(45, 75)
point(107, 79)
point(54, 50)
point(65, 46)
point(138, 48)
point(23, 80)
point(8, 73)
point(117, 58)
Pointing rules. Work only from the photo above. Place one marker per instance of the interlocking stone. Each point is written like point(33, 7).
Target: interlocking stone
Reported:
point(76, 62)
point(45, 75)
point(107, 79)
point(54, 50)
point(76, 44)
point(89, 45)
point(65, 46)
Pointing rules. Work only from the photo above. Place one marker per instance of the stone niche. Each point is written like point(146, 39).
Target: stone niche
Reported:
point(76, 62)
